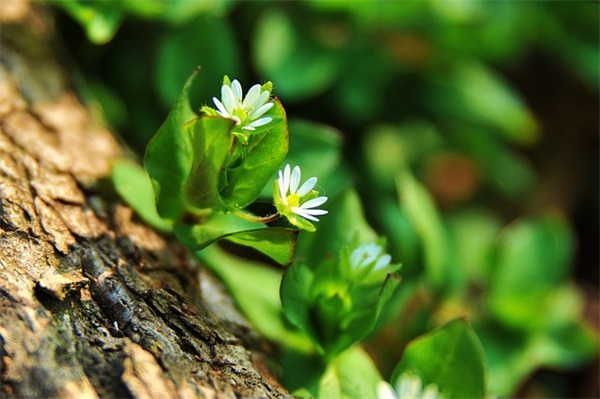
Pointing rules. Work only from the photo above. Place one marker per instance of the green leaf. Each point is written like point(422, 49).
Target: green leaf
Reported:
point(567, 347)
point(352, 375)
point(473, 232)
point(508, 359)
point(505, 170)
point(276, 242)
point(389, 149)
point(474, 92)
point(212, 228)
point(582, 57)
point(367, 303)
point(512, 356)
point(169, 157)
point(319, 304)
point(255, 288)
point(295, 289)
point(424, 216)
point(211, 141)
point(301, 371)
point(175, 12)
point(292, 58)
point(182, 48)
point(404, 242)
point(101, 20)
point(317, 149)
point(533, 258)
point(336, 229)
point(264, 154)
point(444, 357)
point(133, 185)
point(359, 90)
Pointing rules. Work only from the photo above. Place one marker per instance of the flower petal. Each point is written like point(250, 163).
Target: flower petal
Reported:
point(261, 121)
point(251, 96)
point(307, 186)
point(355, 257)
point(221, 109)
point(262, 98)
point(228, 98)
point(286, 179)
point(385, 391)
point(237, 90)
point(304, 214)
point(248, 127)
point(373, 250)
point(282, 189)
point(314, 202)
point(408, 386)
point(295, 180)
point(430, 392)
point(315, 211)
point(383, 262)
point(261, 111)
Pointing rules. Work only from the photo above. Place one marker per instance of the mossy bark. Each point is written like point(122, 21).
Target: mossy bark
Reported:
point(93, 303)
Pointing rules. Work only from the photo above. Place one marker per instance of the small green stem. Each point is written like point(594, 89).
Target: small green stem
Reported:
point(257, 219)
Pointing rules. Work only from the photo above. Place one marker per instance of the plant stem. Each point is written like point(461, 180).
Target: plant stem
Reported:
point(257, 219)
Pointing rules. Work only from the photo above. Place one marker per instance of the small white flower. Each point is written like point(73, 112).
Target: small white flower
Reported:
point(366, 254)
point(246, 112)
point(410, 386)
point(292, 199)
point(385, 391)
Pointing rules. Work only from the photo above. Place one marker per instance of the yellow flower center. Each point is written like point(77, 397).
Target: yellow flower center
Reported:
point(241, 114)
point(293, 200)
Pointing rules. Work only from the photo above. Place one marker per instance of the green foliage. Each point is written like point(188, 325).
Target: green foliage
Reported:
point(184, 47)
point(133, 185)
point(351, 375)
point(191, 165)
point(197, 176)
point(533, 258)
point(345, 225)
point(427, 223)
point(513, 356)
point(169, 157)
point(211, 139)
point(101, 19)
point(300, 65)
point(255, 288)
point(536, 311)
point(335, 304)
point(317, 147)
point(275, 242)
point(474, 93)
point(473, 253)
point(450, 357)
point(379, 94)
point(262, 157)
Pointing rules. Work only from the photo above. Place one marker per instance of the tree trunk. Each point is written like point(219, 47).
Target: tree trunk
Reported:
point(92, 302)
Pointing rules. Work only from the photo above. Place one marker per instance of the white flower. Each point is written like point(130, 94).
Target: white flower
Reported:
point(291, 199)
point(408, 386)
point(246, 112)
point(366, 254)
point(385, 391)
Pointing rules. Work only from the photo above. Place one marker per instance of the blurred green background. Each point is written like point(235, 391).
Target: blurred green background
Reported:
point(469, 129)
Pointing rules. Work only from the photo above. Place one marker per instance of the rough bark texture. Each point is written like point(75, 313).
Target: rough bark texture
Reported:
point(92, 302)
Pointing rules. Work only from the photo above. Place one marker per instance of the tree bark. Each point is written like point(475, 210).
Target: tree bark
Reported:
point(93, 303)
